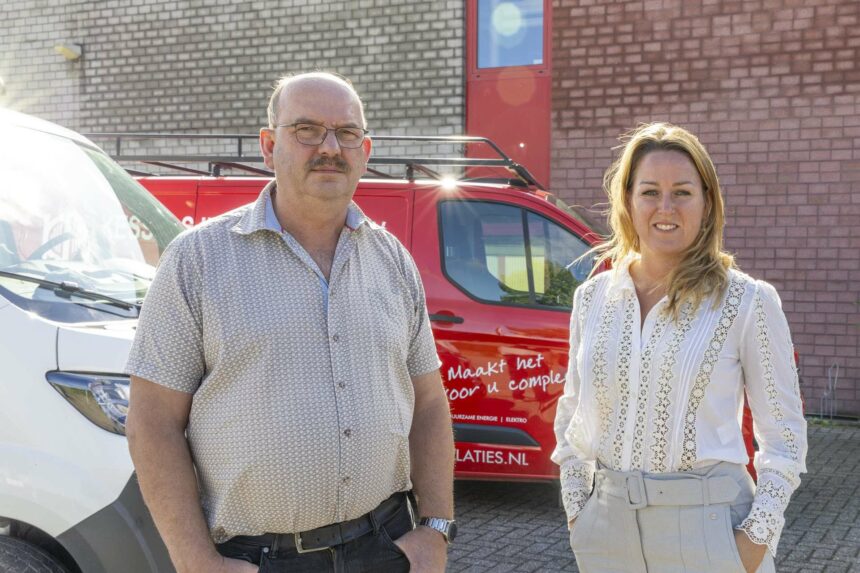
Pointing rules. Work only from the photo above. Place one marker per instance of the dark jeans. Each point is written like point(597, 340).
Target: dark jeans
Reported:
point(373, 552)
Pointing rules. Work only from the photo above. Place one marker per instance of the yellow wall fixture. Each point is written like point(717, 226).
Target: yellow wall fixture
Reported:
point(69, 50)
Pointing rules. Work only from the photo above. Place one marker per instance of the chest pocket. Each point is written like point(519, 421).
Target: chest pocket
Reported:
point(391, 312)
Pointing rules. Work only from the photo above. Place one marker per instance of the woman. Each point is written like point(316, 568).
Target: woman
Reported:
point(662, 348)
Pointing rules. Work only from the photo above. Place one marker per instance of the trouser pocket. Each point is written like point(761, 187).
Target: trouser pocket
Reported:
point(583, 524)
point(381, 553)
point(233, 549)
point(720, 544)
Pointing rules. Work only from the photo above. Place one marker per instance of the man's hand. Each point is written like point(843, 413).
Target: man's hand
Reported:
point(426, 550)
point(751, 553)
point(227, 565)
point(155, 428)
point(431, 448)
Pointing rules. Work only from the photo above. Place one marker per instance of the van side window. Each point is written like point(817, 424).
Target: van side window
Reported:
point(485, 251)
point(504, 254)
point(555, 261)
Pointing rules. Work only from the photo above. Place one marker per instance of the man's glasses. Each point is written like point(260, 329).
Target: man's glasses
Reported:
point(313, 134)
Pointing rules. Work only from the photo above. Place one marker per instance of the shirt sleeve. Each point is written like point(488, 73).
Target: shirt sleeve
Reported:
point(576, 466)
point(773, 393)
point(422, 357)
point(168, 344)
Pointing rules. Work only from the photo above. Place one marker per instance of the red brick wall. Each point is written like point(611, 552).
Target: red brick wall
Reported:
point(772, 88)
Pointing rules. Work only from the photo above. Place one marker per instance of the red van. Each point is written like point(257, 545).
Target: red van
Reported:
point(497, 257)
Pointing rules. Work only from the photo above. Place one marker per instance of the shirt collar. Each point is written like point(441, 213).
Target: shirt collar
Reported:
point(262, 216)
point(619, 276)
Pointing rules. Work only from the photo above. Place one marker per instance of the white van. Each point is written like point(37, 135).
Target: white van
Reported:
point(79, 241)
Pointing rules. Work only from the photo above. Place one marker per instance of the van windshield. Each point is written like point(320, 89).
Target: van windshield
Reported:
point(71, 216)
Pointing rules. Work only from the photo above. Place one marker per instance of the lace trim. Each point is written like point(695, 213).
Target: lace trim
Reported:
point(659, 442)
point(636, 460)
point(792, 480)
point(576, 481)
point(766, 519)
point(601, 389)
point(703, 378)
point(625, 349)
point(788, 436)
point(587, 295)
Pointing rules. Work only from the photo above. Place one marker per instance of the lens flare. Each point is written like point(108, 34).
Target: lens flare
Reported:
point(507, 19)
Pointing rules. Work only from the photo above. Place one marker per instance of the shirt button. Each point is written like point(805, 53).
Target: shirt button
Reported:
point(335, 338)
point(713, 516)
point(347, 432)
point(345, 480)
point(341, 385)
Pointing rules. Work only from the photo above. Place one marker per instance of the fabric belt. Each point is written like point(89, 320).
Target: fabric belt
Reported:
point(641, 490)
point(332, 535)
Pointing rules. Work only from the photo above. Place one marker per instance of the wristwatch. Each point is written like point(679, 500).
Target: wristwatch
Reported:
point(447, 527)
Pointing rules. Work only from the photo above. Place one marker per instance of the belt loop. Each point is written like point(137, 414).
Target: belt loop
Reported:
point(273, 550)
point(374, 522)
point(706, 491)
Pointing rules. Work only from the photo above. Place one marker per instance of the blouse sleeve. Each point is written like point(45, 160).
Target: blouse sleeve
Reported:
point(577, 469)
point(773, 393)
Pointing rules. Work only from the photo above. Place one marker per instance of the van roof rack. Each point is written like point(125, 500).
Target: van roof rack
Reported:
point(240, 160)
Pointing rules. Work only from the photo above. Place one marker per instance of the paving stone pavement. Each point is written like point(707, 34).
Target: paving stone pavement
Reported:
point(519, 527)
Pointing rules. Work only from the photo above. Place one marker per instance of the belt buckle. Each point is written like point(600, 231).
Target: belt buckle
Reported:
point(300, 548)
point(640, 487)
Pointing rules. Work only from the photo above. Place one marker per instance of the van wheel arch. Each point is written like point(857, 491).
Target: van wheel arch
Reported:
point(27, 546)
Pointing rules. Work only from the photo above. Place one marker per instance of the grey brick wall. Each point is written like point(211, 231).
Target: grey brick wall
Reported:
point(208, 66)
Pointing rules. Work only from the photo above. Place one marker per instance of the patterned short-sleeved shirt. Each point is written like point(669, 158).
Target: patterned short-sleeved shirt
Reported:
point(302, 409)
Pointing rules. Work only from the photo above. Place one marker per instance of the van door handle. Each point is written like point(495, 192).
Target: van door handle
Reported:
point(446, 318)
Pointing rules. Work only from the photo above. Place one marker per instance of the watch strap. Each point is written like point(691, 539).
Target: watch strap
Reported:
point(444, 526)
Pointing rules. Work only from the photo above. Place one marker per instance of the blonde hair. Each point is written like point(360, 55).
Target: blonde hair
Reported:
point(281, 85)
point(703, 271)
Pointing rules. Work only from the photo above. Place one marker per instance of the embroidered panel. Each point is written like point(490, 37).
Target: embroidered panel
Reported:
point(625, 350)
point(576, 481)
point(766, 518)
point(703, 378)
point(636, 461)
point(662, 403)
point(600, 372)
point(587, 296)
point(789, 437)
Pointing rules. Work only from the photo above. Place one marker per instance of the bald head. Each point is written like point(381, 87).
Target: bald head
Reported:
point(289, 84)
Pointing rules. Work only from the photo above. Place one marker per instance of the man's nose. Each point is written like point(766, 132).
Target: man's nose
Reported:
point(330, 144)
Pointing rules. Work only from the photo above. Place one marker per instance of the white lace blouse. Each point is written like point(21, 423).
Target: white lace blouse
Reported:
point(669, 398)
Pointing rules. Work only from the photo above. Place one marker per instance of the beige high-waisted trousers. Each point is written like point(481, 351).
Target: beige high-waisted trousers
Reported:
point(665, 523)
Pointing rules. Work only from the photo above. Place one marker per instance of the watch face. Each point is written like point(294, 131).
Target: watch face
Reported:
point(452, 530)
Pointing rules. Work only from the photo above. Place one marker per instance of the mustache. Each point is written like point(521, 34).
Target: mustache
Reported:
point(334, 162)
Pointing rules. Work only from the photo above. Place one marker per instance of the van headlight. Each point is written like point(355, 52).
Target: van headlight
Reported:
point(102, 398)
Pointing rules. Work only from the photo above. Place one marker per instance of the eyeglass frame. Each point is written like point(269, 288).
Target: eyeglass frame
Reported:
point(327, 130)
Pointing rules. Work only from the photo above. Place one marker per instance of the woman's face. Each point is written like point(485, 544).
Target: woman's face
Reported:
point(667, 204)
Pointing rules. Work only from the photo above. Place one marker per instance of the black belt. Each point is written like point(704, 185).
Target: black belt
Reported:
point(332, 535)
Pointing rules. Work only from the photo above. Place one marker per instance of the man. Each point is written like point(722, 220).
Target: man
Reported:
point(284, 353)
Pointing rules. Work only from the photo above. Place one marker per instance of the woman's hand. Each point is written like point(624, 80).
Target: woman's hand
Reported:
point(570, 524)
point(751, 553)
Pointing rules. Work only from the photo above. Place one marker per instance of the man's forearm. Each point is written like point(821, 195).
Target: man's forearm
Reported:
point(431, 445)
point(169, 486)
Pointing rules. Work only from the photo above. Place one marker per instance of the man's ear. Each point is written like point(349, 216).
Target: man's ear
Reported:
point(267, 146)
point(366, 147)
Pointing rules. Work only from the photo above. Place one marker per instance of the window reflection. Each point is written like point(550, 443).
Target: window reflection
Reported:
point(510, 33)
point(501, 253)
